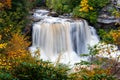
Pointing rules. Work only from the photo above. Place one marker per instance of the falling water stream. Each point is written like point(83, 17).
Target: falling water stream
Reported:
point(62, 38)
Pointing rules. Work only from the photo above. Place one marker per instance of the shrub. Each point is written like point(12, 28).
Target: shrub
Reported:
point(91, 16)
point(116, 36)
point(88, 9)
point(105, 36)
point(15, 52)
point(62, 6)
point(6, 76)
point(95, 74)
point(17, 46)
point(14, 19)
point(41, 71)
point(110, 37)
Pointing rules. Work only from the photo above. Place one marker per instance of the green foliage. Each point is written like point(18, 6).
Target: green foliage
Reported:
point(98, 77)
point(43, 71)
point(4, 75)
point(38, 3)
point(62, 6)
point(39, 70)
point(93, 51)
point(91, 16)
point(105, 36)
point(14, 19)
point(98, 4)
point(95, 74)
point(67, 6)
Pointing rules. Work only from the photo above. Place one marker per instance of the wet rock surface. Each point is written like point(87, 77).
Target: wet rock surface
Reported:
point(53, 14)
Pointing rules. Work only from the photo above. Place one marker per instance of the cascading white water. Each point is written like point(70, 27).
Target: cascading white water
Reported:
point(61, 38)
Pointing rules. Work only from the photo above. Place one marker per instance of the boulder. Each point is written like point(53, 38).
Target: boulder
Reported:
point(53, 14)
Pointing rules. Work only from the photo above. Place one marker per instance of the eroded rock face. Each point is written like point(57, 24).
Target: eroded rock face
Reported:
point(106, 16)
point(108, 20)
point(118, 2)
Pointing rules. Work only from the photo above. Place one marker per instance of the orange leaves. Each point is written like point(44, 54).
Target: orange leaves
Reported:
point(15, 52)
point(1, 5)
point(5, 4)
point(8, 3)
point(17, 47)
point(116, 36)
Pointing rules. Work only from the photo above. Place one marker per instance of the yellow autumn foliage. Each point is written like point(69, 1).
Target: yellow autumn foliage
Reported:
point(17, 47)
point(15, 52)
point(2, 45)
point(91, 73)
point(85, 7)
point(116, 36)
point(5, 63)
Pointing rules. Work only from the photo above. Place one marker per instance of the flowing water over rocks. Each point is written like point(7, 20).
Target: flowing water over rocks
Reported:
point(61, 38)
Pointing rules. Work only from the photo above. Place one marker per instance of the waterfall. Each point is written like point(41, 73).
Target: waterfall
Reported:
point(65, 38)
